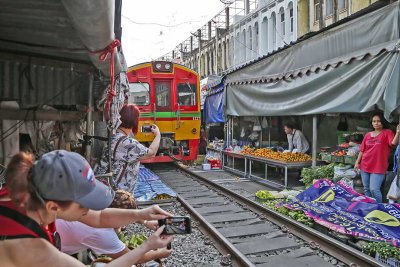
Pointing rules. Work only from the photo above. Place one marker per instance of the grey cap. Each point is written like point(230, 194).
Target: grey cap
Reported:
point(66, 176)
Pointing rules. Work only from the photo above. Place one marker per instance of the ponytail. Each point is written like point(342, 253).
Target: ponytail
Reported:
point(19, 179)
point(19, 182)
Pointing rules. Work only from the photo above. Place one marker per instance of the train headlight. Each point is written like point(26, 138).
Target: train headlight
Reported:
point(158, 66)
point(167, 66)
point(194, 131)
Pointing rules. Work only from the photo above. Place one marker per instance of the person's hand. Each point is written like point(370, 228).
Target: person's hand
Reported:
point(398, 128)
point(158, 239)
point(155, 129)
point(154, 213)
point(152, 225)
point(356, 166)
point(162, 253)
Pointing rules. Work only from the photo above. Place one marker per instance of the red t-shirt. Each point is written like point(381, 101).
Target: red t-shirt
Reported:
point(376, 152)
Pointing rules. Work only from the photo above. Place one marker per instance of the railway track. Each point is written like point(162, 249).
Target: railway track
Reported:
point(250, 234)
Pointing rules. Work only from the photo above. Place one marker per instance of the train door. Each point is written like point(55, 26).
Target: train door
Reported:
point(163, 105)
point(188, 120)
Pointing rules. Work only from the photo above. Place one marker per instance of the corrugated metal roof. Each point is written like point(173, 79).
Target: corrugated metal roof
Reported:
point(32, 84)
point(48, 46)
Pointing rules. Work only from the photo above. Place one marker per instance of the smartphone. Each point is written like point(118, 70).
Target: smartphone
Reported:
point(180, 225)
point(146, 128)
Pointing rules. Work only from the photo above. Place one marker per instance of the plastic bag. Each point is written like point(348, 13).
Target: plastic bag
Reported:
point(342, 125)
point(394, 190)
point(264, 123)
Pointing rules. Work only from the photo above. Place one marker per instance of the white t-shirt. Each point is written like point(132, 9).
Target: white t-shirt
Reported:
point(76, 236)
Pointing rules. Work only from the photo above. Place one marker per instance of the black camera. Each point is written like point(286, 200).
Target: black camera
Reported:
point(146, 128)
point(176, 225)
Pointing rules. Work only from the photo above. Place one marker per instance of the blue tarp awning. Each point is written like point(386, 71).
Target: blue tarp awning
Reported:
point(213, 106)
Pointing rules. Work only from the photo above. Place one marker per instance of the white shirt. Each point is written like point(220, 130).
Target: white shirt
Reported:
point(76, 236)
point(297, 140)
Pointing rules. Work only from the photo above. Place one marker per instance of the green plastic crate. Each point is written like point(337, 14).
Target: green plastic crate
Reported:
point(350, 159)
point(326, 157)
point(337, 159)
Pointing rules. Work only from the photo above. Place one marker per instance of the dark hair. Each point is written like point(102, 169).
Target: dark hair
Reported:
point(384, 122)
point(288, 125)
point(19, 180)
point(130, 117)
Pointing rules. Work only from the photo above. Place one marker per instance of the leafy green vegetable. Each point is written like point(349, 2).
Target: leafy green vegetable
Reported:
point(308, 175)
point(385, 250)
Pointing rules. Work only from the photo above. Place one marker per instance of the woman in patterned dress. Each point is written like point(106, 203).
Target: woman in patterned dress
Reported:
point(127, 151)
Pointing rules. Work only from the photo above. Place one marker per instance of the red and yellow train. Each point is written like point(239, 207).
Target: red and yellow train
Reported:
point(167, 95)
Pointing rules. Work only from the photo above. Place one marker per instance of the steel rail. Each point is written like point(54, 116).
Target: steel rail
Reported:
point(238, 256)
point(331, 246)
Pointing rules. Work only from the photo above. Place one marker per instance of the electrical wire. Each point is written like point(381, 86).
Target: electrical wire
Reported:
point(159, 24)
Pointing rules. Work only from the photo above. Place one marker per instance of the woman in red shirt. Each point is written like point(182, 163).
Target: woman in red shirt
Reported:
point(374, 154)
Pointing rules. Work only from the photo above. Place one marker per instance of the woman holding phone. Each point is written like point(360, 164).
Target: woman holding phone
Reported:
point(126, 151)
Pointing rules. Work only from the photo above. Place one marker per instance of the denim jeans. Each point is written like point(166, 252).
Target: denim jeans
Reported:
point(372, 183)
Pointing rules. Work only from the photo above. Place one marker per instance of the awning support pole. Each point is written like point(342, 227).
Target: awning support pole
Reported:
point(89, 119)
point(314, 142)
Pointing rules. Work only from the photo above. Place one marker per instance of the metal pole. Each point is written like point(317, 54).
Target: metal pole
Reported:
point(314, 142)
point(199, 63)
point(269, 131)
point(89, 122)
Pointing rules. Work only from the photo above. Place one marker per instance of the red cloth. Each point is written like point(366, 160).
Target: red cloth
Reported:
point(11, 228)
point(376, 151)
point(3, 192)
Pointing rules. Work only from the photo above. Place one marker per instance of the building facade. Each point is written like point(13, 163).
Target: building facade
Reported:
point(248, 29)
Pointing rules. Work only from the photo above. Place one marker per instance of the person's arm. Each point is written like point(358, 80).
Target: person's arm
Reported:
point(114, 218)
point(155, 241)
point(153, 148)
point(155, 254)
point(395, 140)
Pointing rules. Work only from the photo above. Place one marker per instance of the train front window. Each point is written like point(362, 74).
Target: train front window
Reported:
point(139, 94)
point(187, 94)
point(163, 93)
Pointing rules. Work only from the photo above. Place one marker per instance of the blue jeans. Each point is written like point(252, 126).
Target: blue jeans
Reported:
point(372, 183)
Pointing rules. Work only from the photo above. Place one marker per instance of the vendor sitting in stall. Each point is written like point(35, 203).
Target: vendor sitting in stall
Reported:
point(296, 140)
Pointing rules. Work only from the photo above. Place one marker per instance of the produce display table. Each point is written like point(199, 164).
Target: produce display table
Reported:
point(278, 164)
point(230, 157)
point(230, 160)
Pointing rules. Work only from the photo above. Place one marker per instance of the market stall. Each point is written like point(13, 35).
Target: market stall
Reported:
point(314, 79)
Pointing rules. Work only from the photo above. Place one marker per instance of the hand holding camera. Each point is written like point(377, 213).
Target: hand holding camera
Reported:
point(179, 225)
point(151, 128)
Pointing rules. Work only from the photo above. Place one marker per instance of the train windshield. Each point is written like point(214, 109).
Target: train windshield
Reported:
point(163, 93)
point(139, 94)
point(187, 94)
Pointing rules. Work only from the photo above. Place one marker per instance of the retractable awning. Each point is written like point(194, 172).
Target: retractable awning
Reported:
point(352, 67)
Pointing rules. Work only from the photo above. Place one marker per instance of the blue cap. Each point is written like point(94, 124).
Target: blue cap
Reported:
point(66, 176)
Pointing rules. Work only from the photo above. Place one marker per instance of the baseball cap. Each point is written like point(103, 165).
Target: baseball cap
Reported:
point(66, 176)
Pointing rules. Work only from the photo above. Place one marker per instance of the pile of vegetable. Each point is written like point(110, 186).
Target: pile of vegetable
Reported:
point(308, 175)
point(275, 200)
point(385, 250)
point(270, 154)
point(297, 215)
point(134, 241)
